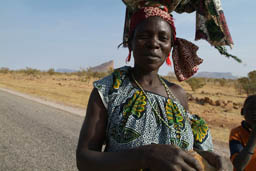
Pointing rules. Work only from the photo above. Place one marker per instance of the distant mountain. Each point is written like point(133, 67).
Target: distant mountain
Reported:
point(103, 67)
point(65, 70)
point(226, 75)
point(99, 68)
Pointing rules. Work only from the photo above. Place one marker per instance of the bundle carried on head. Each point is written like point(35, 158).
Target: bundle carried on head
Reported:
point(210, 25)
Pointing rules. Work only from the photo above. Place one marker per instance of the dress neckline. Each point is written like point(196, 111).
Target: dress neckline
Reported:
point(129, 77)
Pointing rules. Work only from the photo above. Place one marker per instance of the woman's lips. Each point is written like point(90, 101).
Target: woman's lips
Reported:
point(153, 58)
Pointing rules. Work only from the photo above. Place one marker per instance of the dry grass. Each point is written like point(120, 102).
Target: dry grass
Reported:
point(66, 89)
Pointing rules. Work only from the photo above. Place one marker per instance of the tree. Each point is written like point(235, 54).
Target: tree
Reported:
point(248, 84)
point(196, 83)
point(252, 75)
point(4, 70)
point(51, 71)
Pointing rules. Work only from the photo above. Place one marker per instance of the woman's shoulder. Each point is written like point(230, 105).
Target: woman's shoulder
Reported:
point(178, 92)
point(175, 88)
point(112, 81)
point(118, 73)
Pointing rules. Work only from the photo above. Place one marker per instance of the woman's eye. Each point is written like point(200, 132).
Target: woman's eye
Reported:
point(142, 36)
point(164, 38)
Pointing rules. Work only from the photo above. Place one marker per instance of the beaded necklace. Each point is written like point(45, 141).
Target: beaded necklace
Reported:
point(169, 94)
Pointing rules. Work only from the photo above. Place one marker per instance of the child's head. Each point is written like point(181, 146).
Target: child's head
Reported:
point(249, 110)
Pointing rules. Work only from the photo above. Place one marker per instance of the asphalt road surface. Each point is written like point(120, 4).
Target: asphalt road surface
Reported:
point(34, 136)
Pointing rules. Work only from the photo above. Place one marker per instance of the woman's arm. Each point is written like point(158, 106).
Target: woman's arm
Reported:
point(92, 137)
point(243, 158)
point(154, 156)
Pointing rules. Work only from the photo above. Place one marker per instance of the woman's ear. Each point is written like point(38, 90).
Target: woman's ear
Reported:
point(130, 42)
point(130, 45)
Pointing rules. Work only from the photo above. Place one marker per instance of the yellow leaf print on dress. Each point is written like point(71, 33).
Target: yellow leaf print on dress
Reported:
point(117, 79)
point(200, 129)
point(173, 114)
point(135, 105)
point(174, 117)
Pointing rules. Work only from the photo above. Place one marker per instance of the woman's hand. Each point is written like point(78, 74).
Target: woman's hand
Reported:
point(219, 162)
point(161, 157)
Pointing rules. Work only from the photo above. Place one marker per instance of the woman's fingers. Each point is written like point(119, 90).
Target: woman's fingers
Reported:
point(187, 167)
point(169, 157)
point(192, 162)
point(224, 164)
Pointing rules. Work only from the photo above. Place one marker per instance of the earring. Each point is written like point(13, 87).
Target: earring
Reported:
point(129, 56)
point(168, 61)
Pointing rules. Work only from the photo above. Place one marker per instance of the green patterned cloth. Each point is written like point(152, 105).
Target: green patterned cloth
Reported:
point(133, 123)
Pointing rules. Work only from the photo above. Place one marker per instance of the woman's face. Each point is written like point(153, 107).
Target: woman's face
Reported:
point(250, 115)
point(151, 43)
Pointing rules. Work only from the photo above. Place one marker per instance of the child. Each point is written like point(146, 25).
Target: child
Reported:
point(242, 140)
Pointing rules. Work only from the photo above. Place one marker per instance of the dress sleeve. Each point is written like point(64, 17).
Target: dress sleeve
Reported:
point(110, 85)
point(201, 132)
point(235, 145)
point(104, 86)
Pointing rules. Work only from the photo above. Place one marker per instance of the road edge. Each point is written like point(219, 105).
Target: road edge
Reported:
point(72, 110)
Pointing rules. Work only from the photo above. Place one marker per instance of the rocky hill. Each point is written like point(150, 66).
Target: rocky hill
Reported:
point(65, 70)
point(226, 75)
point(103, 67)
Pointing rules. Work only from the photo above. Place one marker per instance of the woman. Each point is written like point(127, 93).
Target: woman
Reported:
point(142, 118)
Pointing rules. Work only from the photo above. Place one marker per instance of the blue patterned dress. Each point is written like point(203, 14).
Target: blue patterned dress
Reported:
point(133, 123)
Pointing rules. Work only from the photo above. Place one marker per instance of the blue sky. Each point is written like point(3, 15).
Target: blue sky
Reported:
point(78, 34)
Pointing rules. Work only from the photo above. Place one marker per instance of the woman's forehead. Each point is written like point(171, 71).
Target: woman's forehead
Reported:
point(153, 24)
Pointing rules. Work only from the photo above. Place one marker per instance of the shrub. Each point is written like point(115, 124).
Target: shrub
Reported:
point(30, 71)
point(222, 82)
point(247, 84)
point(4, 70)
point(196, 83)
point(51, 71)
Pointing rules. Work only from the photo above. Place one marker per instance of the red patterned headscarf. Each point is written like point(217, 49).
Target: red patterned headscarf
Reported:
point(184, 55)
point(146, 12)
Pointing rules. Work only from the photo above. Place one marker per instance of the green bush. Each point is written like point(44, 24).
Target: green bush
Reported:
point(51, 71)
point(222, 82)
point(247, 84)
point(196, 83)
point(30, 71)
point(4, 70)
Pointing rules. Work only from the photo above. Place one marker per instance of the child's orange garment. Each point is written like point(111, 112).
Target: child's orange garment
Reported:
point(237, 141)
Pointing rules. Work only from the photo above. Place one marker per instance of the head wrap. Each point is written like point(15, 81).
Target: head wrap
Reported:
point(151, 11)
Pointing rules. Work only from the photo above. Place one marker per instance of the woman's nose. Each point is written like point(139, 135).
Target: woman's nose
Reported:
point(153, 42)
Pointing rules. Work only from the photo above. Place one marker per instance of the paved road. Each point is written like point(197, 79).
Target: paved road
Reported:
point(35, 137)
